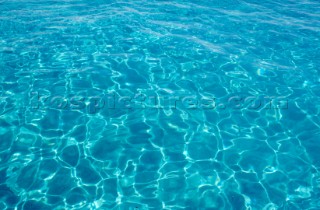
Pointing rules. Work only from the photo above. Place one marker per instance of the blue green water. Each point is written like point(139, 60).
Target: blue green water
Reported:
point(108, 104)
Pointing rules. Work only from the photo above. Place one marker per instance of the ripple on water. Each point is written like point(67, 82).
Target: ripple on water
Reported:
point(100, 157)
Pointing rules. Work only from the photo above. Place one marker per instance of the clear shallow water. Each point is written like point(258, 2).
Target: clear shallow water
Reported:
point(58, 155)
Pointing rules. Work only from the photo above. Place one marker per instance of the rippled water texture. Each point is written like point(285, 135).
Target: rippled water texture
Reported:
point(96, 157)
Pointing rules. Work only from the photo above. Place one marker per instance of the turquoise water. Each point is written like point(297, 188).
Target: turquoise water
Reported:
point(159, 104)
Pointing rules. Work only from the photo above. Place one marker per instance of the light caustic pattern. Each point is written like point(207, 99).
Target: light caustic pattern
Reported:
point(153, 158)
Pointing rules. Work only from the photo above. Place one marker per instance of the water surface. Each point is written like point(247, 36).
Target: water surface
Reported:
point(60, 148)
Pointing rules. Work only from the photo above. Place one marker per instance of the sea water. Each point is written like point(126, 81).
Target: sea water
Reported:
point(182, 104)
